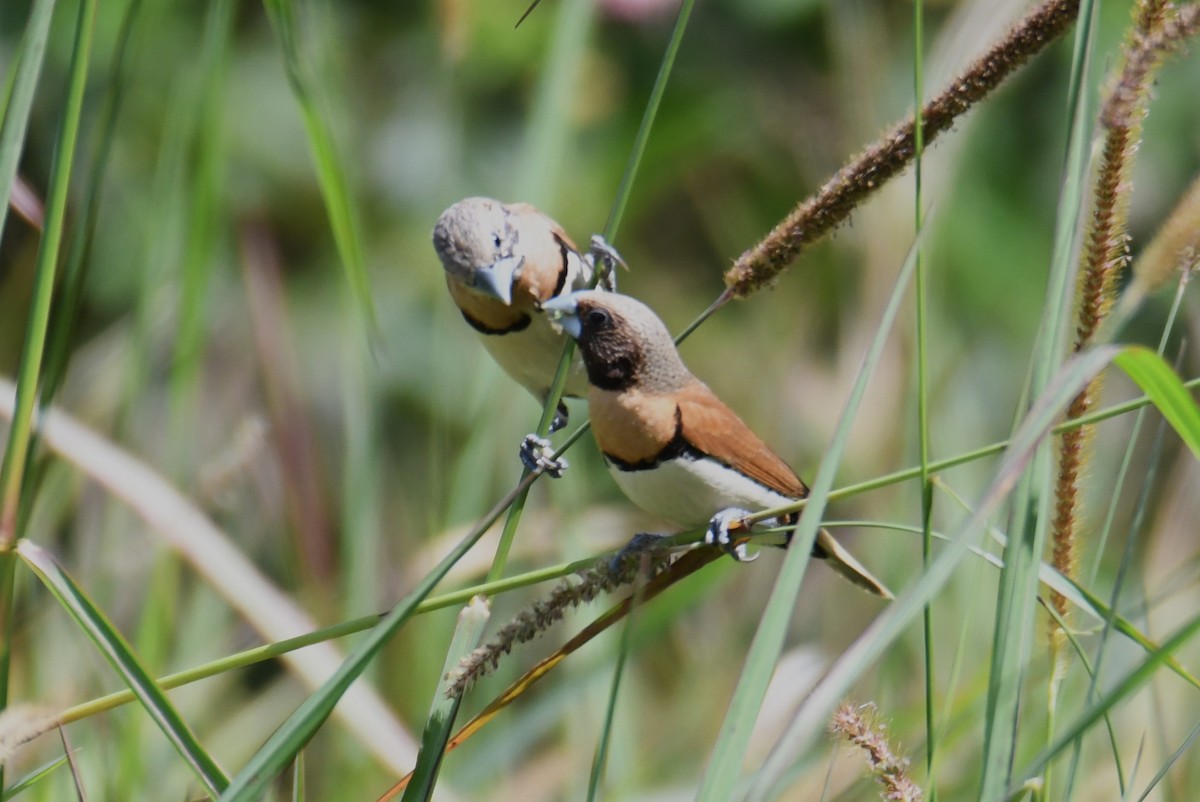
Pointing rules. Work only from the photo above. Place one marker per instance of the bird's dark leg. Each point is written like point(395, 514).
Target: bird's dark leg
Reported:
point(561, 418)
point(604, 258)
point(719, 533)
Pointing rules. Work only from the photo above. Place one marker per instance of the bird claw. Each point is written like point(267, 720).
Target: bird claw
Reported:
point(605, 259)
point(641, 542)
point(719, 533)
point(538, 456)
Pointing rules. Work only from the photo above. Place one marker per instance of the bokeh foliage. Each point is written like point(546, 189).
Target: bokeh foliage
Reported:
point(219, 340)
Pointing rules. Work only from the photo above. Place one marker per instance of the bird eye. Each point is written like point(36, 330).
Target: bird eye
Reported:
point(496, 240)
point(598, 318)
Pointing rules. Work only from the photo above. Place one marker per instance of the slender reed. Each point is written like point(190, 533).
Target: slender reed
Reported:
point(832, 204)
point(1156, 31)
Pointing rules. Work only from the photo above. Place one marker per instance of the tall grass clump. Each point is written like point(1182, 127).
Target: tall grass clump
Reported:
point(263, 532)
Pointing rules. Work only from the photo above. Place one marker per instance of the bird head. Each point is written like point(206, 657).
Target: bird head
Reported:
point(475, 241)
point(622, 342)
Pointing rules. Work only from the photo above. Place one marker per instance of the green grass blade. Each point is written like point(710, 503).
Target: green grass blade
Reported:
point(1132, 682)
point(926, 486)
point(19, 100)
point(1075, 593)
point(643, 134)
point(331, 174)
point(810, 719)
point(181, 526)
point(1013, 631)
point(1134, 536)
point(278, 648)
point(1103, 613)
point(12, 471)
point(251, 782)
point(549, 125)
point(298, 791)
point(1134, 432)
point(984, 451)
point(573, 23)
point(1162, 771)
point(600, 757)
point(17, 447)
point(204, 190)
point(1165, 389)
point(542, 156)
point(75, 270)
point(730, 750)
point(1109, 727)
point(33, 778)
point(440, 724)
point(109, 641)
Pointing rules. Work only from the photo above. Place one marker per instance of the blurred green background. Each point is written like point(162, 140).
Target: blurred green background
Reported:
point(219, 341)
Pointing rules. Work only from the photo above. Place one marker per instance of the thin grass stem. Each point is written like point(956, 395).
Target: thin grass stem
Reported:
point(12, 471)
point(919, 290)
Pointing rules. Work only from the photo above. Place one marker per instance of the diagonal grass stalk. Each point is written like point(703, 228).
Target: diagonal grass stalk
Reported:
point(254, 778)
point(34, 777)
point(600, 757)
point(892, 623)
point(438, 726)
point(1130, 683)
point(610, 233)
point(1031, 505)
point(575, 19)
point(729, 752)
point(204, 191)
point(277, 648)
point(109, 641)
point(1135, 431)
point(331, 171)
point(18, 97)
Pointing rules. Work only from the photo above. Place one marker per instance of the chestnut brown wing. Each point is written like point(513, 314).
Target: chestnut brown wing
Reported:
point(715, 430)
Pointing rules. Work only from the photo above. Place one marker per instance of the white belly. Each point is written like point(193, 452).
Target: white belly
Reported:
point(690, 492)
point(531, 357)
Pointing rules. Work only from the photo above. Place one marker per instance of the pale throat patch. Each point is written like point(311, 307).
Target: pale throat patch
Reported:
point(531, 358)
point(631, 425)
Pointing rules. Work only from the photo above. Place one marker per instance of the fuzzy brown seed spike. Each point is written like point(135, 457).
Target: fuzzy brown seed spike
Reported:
point(1144, 52)
point(859, 724)
point(1149, 14)
point(1154, 31)
point(833, 202)
point(544, 613)
point(21, 723)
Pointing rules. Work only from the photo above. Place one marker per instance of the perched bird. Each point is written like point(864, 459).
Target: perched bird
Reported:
point(503, 261)
point(671, 445)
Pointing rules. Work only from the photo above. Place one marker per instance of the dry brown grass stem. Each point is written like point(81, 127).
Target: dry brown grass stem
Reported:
point(606, 576)
point(1156, 30)
point(840, 195)
point(860, 725)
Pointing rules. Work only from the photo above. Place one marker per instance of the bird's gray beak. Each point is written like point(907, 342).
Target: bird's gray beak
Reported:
point(497, 278)
point(562, 310)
